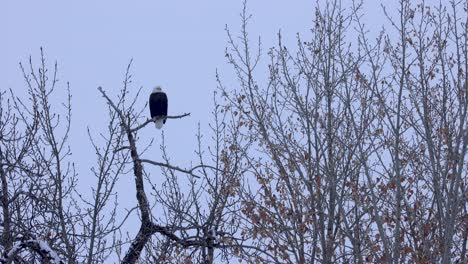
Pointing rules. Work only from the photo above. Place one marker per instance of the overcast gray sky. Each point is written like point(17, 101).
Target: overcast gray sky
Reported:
point(178, 44)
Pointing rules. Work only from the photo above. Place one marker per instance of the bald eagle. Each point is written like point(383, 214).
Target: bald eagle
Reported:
point(158, 106)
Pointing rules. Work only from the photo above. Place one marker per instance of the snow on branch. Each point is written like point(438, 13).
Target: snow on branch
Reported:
point(38, 246)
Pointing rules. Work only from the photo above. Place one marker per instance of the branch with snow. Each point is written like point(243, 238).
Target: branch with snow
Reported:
point(38, 246)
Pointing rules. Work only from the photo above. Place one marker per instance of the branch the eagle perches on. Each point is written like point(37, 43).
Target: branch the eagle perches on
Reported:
point(149, 120)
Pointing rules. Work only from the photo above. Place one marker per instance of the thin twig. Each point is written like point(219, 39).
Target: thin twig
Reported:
point(122, 118)
point(188, 171)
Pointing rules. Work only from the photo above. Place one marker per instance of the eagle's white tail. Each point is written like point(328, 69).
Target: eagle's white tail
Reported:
point(159, 123)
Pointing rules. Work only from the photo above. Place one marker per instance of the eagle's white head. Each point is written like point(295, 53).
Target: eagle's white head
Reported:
point(157, 89)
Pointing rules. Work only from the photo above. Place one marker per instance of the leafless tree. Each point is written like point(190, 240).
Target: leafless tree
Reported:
point(44, 217)
point(38, 178)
